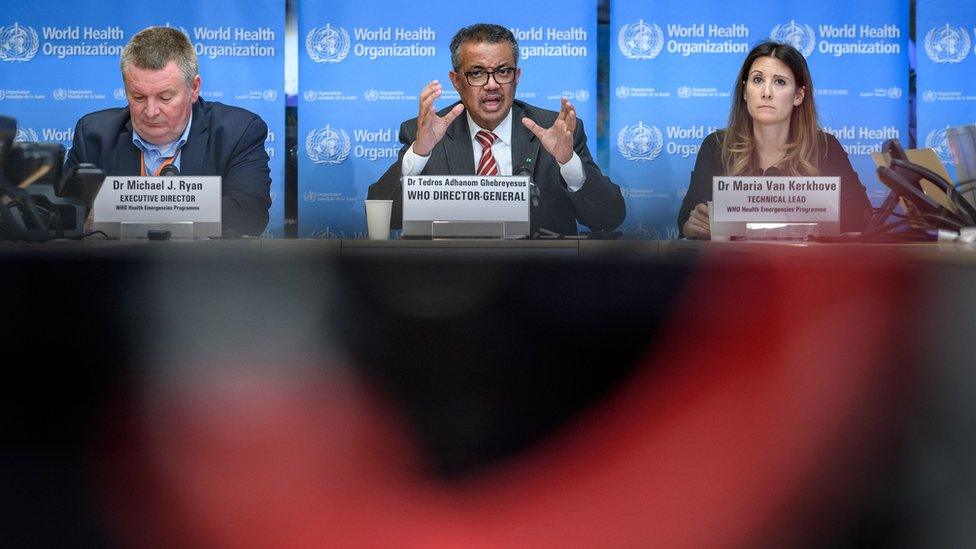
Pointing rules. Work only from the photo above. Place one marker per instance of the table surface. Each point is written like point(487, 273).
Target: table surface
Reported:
point(643, 250)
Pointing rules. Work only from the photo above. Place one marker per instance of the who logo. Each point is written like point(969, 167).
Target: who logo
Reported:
point(327, 44)
point(939, 141)
point(25, 135)
point(18, 43)
point(327, 146)
point(640, 40)
point(800, 36)
point(947, 44)
point(640, 142)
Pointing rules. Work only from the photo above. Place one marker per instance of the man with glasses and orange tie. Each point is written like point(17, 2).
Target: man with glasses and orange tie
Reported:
point(499, 135)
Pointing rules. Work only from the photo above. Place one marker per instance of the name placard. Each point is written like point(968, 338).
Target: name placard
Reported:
point(155, 201)
point(466, 198)
point(776, 199)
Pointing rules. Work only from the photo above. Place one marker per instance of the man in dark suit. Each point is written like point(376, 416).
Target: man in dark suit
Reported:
point(499, 135)
point(167, 122)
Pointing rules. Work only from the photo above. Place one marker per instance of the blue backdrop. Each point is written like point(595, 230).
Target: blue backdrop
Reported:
point(946, 71)
point(671, 73)
point(60, 60)
point(673, 68)
point(361, 71)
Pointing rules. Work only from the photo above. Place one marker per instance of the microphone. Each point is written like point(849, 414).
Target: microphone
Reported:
point(772, 171)
point(525, 168)
point(169, 170)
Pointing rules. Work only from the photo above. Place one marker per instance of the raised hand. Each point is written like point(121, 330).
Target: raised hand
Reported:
point(430, 127)
point(558, 139)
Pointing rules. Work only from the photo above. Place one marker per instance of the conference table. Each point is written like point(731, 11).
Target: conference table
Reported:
point(649, 250)
point(516, 372)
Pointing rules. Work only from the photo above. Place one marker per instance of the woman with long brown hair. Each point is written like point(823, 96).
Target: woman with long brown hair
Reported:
point(772, 129)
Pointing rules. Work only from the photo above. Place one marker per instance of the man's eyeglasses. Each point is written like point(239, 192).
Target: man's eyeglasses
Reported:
point(479, 77)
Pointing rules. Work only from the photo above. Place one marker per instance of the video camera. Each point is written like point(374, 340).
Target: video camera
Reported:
point(37, 201)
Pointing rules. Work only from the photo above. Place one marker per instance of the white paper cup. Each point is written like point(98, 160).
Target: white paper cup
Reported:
point(378, 218)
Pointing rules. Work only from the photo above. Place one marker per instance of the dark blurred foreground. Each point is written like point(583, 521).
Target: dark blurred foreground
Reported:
point(210, 396)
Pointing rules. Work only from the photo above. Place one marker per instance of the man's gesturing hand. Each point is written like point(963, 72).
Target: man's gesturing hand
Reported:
point(558, 139)
point(430, 127)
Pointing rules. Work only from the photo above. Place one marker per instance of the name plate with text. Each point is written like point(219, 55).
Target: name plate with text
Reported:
point(776, 199)
point(442, 200)
point(156, 201)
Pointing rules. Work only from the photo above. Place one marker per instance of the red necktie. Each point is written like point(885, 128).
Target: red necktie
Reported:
point(487, 165)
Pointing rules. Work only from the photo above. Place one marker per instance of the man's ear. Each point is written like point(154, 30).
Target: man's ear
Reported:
point(195, 89)
point(456, 79)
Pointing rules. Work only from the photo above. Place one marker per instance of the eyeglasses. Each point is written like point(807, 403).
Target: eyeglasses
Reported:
point(479, 77)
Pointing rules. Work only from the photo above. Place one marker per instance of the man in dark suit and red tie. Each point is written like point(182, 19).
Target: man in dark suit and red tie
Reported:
point(168, 123)
point(499, 134)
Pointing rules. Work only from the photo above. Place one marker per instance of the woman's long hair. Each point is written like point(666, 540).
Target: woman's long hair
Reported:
point(805, 142)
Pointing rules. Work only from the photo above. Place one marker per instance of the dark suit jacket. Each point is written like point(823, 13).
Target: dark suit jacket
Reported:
point(223, 140)
point(598, 204)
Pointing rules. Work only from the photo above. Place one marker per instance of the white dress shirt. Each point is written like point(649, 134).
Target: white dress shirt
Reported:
point(501, 149)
